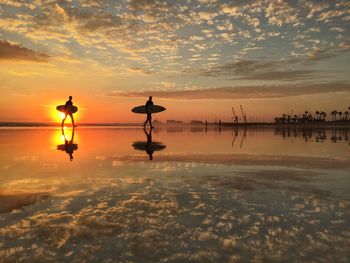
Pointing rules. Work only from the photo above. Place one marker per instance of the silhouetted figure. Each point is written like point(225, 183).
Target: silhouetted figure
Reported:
point(149, 146)
point(68, 108)
point(149, 104)
point(69, 146)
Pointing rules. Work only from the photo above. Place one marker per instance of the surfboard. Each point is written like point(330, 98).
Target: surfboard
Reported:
point(152, 109)
point(154, 146)
point(69, 109)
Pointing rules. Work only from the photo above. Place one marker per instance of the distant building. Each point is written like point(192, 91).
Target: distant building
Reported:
point(195, 122)
point(173, 122)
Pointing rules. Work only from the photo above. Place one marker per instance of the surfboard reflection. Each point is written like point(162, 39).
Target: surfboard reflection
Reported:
point(69, 146)
point(148, 146)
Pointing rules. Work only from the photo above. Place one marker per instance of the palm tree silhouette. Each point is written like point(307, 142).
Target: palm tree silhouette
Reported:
point(340, 114)
point(317, 115)
point(284, 117)
point(346, 114)
point(334, 115)
point(295, 119)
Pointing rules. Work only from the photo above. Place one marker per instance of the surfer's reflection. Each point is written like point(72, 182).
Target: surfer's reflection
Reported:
point(149, 146)
point(69, 146)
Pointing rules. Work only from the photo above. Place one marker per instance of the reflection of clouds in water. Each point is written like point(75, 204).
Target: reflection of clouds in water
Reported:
point(142, 221)
point(236, 214)
point(172, 166)
point(275, 161)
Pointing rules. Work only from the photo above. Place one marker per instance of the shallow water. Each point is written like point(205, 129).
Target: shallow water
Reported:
point(178, 194)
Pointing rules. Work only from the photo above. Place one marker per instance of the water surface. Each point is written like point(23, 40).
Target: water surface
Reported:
point(176, 194)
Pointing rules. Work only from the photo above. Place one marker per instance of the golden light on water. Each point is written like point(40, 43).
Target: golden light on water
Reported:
point(60, 137)
point(57, 138)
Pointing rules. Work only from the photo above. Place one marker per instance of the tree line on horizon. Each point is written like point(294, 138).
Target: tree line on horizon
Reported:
point(318, 116)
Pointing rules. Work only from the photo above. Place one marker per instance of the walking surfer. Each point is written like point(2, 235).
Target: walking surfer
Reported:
point(68, 111)
point(149, 105)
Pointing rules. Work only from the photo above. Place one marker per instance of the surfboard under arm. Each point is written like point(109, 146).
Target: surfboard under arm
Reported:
point(69, 109)
point(151, 109)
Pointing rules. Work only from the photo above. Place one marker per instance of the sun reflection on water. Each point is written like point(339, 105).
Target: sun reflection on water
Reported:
point(60, 136)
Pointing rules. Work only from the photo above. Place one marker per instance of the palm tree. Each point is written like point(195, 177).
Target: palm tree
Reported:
point(296, 118)
point(318, 115)
point(284, 117)
point(340, 114)
point(305, 116)
point(346, 114)
point(321, 116)
point(334, 115)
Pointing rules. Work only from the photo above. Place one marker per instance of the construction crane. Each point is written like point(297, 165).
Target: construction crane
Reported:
point(243, 114)
point(235, 117)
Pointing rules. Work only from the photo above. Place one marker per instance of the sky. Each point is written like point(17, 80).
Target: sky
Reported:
point(198, 58)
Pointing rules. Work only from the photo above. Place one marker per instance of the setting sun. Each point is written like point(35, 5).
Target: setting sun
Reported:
point(56, 115)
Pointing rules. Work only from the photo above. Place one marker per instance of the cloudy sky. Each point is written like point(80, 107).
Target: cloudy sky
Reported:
point(198, 58)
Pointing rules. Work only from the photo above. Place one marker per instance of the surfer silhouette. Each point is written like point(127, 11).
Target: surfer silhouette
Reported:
point(149, 104)
point(149, 146)
point(69, 146)
point(68, 111)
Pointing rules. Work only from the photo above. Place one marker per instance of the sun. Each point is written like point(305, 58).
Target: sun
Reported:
point(61, 115)
point(56, 115)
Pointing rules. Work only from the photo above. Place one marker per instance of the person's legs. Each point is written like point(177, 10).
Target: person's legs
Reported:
point(72, 118)
point(150, 120)
point(147, 120)
point(65, 117)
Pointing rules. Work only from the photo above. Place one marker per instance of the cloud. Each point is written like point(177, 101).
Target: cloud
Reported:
point(318, 53)
point(154, 33)
point(243, 92)
point(253, 69)
point(238, 67)
point(93, 19)
point(143, 5)
point(291, 75)
point(10, 51)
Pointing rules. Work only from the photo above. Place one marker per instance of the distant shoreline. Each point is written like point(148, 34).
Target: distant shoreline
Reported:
point(44, 124)
point(211, 124)
point(273, 124)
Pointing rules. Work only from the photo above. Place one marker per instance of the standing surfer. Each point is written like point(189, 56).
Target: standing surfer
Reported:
point(149, 104)
point(68, 111)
